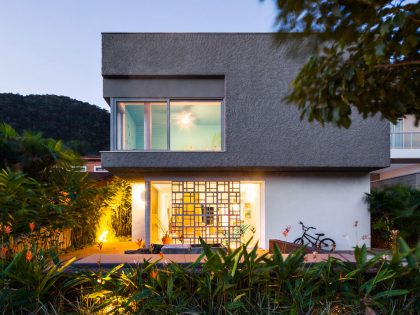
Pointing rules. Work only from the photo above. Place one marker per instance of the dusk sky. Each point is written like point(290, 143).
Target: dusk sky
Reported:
point(54, 47)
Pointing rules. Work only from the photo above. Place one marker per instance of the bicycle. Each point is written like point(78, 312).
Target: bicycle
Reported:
point(325, 244)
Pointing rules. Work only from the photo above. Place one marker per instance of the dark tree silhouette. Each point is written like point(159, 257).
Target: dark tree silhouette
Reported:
point(368, 58)
point(81, 126)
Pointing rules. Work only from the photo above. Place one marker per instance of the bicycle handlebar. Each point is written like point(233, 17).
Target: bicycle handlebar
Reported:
point(306, 228)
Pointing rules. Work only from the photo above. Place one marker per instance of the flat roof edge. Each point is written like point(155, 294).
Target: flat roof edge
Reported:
point(212, 33)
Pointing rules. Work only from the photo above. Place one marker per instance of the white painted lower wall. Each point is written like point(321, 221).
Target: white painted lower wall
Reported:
point(330, 202)
point(138, 212)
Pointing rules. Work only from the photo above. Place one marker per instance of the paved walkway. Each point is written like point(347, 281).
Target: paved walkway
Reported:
point(110, 260)
point(112, 254)
point(117, 247)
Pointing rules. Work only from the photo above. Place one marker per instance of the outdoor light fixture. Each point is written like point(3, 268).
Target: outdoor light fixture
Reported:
point(185, 120)
point(102, 236)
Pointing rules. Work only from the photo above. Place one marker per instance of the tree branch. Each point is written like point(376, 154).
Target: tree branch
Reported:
point(399, 64)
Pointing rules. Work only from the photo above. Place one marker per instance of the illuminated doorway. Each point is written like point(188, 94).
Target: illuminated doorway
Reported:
point(220, 212)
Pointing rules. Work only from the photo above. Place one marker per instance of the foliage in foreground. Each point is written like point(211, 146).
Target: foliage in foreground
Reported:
point(368, 58)
point(394, 208)
point(38, 183)
point(237, 282)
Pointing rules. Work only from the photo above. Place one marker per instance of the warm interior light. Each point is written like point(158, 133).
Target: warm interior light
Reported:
point(185, 120)
point(250, 191)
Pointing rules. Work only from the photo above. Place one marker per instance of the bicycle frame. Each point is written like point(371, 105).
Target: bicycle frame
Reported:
point(309, 237)
point(318, 241)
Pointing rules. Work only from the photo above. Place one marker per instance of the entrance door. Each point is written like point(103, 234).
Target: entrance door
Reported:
point(220, 212)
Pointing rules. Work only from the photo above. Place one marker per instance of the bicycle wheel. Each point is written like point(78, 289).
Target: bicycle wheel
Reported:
point(298, 241)
point(327, 244)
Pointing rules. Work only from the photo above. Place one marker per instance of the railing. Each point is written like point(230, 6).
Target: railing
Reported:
point(405, 140)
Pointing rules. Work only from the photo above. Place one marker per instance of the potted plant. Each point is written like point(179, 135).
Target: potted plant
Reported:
point(166, 238)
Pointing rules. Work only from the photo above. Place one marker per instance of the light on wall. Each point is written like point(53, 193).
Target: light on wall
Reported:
point(185, 120)
point(138, 194)
point(138, 211)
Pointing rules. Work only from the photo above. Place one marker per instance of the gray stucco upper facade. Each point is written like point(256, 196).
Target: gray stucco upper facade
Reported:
point(252, 74)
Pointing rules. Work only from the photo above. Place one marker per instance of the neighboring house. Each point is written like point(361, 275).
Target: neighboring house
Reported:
point(405, 156)
point(93, 166)
point(199, 127)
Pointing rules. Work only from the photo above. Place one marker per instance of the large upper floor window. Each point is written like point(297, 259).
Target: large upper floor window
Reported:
point(175, 125)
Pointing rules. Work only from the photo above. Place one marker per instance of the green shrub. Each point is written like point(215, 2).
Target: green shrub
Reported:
point(243, 282)
point(38, 183)
point(117, 200)
point(394, 208)
point(237, 282)
point(31, 279)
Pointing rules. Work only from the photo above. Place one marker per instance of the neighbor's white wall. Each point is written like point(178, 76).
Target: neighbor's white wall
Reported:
point(405, 153)
point(410, 124)
point(329, 202)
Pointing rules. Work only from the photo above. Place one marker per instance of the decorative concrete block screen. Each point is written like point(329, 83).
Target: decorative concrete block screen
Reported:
point(207, 209)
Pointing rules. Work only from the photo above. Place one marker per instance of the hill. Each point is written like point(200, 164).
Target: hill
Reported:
point(80, 125)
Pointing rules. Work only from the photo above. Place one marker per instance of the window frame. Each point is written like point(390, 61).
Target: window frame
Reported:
point(116, 126)
point(80, 168)
point(96, 167)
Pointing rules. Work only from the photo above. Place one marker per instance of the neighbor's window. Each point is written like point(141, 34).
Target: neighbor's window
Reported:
point(397, 134)
point(193, 125)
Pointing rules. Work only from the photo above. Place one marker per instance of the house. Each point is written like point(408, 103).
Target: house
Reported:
point(199, 128)
point(92, 165)
point(405, 156)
